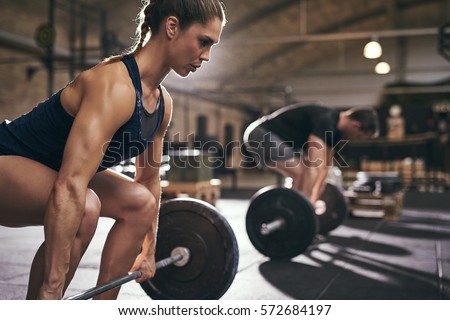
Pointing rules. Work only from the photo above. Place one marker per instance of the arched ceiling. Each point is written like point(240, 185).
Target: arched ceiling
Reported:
point(268, 43)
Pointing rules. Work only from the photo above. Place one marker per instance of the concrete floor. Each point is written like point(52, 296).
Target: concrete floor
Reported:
point(362, 259)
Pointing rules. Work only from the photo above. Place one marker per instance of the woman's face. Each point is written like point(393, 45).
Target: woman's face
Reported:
point(192, 46)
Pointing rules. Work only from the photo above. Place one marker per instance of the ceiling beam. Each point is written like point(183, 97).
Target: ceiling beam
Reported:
point(28, 45)
point(288, 45)
point(336, 36)
point(256, 16)
point(262, 14)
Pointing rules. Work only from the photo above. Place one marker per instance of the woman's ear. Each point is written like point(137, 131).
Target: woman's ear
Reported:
point(172, 26)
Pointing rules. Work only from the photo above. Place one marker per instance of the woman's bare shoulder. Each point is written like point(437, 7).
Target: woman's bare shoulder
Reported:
point(106, 75)
point(105, 84)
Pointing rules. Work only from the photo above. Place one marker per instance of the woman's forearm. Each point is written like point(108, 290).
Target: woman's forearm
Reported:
point(149, 244)
point(62, 220)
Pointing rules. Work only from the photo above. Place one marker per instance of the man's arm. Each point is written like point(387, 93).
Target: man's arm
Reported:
point(319, 160)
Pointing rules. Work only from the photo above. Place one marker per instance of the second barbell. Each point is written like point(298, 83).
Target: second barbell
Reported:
point(282, 222)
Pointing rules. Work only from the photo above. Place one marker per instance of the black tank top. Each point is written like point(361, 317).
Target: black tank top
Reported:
point(41, 134)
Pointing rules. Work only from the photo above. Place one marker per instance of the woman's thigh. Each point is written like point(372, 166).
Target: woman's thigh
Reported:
point(118, 194)
point(25, 186)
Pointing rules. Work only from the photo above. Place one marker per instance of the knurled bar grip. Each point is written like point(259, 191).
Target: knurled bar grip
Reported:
point(89, 293)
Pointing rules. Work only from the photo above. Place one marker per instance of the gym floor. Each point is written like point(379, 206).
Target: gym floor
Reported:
point(365, 258)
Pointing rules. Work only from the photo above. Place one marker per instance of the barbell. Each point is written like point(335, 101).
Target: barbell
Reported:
point(197, 255)
point(282, 223)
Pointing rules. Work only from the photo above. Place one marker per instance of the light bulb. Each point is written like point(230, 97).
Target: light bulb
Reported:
point(373, 50)
point(382, 68)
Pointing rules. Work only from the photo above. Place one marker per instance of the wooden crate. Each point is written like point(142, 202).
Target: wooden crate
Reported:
point(386, 206)
point(208, 191)
point(190, 166)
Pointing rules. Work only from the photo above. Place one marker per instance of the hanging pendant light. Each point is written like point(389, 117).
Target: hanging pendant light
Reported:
point(382, 67)
point(373, 50)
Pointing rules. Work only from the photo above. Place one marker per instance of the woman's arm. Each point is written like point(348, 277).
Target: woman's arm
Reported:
point(148, 174)
point(92, 129)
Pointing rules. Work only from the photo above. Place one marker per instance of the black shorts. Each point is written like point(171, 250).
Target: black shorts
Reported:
point(267, 147)
point(4, 152)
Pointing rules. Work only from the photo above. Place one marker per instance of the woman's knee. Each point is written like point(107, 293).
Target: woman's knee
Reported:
point(142, 205)
point(91, 215)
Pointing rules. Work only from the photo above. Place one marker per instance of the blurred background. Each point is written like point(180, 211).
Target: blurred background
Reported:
point(392, 55)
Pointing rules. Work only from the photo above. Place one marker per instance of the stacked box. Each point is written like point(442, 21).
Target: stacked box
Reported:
point(190, 166)
point(370, 205)
point(208, 191)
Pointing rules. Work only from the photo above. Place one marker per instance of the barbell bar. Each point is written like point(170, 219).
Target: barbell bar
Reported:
point(320, 207)
point(213, 263)
point(275, 225)
point(282, 222)
point(198, 242)
point(180, 257)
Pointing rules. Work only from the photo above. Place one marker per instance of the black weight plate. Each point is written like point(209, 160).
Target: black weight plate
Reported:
point(377, 186)
point(336, 210)
point(273, 202)
point(380, 182)
point(214, 254)
point(373, 176)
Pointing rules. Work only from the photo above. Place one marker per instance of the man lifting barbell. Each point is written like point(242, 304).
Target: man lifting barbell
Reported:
point(300, 141)
point(54, 159)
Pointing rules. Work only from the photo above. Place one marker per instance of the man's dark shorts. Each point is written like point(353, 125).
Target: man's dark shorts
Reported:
point(267, 147)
